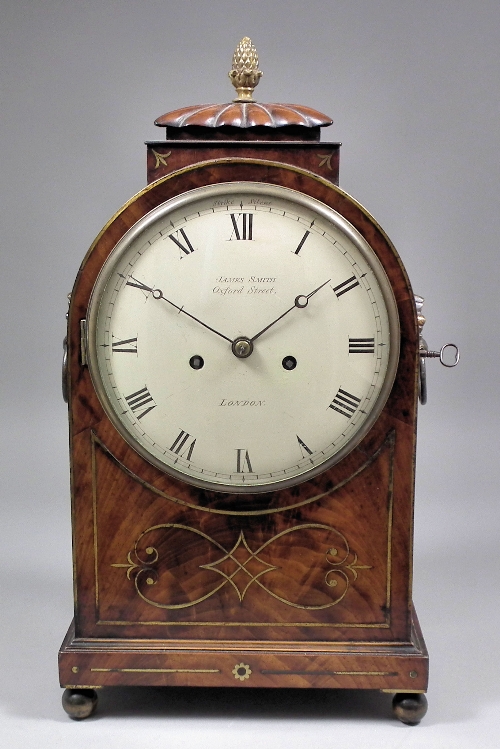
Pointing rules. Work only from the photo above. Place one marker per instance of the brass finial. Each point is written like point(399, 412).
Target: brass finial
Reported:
point(245, 73)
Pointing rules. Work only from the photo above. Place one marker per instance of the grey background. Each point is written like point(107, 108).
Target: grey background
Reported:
point(413, 88)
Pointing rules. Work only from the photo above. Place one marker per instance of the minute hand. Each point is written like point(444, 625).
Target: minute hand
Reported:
point(158, 294)
point(300, 302)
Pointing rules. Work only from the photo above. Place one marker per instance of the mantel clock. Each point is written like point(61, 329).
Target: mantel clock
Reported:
point(244, 358)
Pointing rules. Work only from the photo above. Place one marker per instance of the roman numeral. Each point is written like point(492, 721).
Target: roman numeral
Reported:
point(242, 226)
point(303, 447)
point(128, 346)
point(345, 403)
point(186, 248)
point(346, 286)
point(138, 401)
point(361, 345)
point(180, 442)
point(301, 243)
point(242, 460)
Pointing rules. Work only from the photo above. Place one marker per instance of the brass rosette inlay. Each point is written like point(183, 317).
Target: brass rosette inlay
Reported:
point(245, 73)
point(242, 671)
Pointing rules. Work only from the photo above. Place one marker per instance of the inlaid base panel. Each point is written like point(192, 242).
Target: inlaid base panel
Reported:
point(318, 572)
point(85, 663)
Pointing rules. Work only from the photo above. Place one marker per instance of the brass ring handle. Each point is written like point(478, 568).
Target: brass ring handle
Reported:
point(65, 371)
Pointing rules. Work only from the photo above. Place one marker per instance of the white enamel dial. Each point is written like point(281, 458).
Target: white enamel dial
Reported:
point(243, 337)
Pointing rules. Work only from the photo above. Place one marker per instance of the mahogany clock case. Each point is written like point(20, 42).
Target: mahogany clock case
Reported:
point(307, 586)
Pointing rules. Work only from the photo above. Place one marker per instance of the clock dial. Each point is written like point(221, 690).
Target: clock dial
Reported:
point(243, 337)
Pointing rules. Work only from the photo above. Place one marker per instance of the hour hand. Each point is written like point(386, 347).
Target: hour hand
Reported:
point(301, 301)
point(138, 284)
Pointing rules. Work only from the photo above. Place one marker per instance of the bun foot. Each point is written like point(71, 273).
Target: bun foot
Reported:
point(409, 708)
point(79, 703)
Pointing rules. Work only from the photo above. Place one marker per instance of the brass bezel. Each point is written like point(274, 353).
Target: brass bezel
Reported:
point(327, 213)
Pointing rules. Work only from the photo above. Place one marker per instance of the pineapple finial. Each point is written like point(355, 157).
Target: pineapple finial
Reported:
point(245, 73)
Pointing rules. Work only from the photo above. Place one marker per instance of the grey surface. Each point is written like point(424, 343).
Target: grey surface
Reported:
point(414, 92)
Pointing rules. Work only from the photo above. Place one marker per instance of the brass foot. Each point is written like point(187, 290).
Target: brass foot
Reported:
point(79, 703)
point(409, 708)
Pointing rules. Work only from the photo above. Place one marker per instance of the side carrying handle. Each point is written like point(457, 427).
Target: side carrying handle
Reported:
point(426, 354)
point(64, 372)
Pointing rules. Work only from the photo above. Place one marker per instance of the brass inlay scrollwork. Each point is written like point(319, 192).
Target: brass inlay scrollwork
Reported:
point(352, 567)
point(240, 591)
point(161, 158)
point(140, 564)
point(235, 570)
point(325, 160)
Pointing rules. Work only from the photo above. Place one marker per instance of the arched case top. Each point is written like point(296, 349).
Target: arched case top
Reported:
point(247, 170)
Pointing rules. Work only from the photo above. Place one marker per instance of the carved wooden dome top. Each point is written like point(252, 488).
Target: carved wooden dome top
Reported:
point(244, 115)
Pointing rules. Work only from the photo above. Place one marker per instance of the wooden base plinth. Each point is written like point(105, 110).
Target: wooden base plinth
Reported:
point(391, 667)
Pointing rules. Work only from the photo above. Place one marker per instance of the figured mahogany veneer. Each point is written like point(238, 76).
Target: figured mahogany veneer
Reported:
point(307, 586)
point(189, 146)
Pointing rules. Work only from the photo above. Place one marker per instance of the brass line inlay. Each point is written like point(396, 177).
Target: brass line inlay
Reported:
point(268, 672)
point(390, 508)
point(158, 670)
point(406, 691)
point(288, 647)
point(94, 520)
point(339, 625)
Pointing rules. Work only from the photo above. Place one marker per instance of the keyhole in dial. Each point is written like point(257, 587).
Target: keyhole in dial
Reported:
point(196, 362)
point(289, 363)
